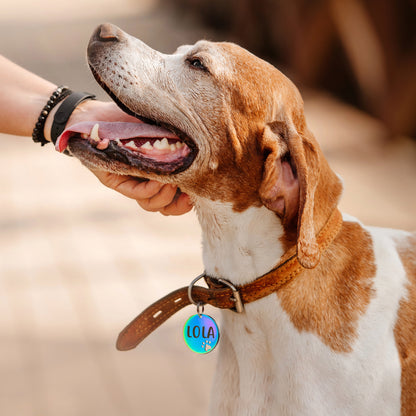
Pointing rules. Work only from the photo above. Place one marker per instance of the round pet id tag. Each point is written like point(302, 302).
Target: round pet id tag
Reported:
point(201, 333)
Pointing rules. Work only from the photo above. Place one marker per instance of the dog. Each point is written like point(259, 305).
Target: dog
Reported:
point(229, 129)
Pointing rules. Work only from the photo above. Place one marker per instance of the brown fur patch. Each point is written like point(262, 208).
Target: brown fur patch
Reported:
point(405, 330)
point(329, 299)
point(327, 194)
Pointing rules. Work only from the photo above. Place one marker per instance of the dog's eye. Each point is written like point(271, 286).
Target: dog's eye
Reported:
point(197, 63)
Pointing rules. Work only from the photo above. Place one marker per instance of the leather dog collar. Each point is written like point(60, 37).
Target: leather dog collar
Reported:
point(222, 295)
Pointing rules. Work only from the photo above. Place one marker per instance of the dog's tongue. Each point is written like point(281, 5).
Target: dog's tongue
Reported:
point(111, 131)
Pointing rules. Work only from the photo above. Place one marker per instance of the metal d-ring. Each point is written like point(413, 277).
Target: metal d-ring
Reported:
point(198, 304)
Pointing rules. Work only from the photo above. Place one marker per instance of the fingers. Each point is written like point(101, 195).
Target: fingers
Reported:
point(150, 195)
point(159, 200)
point(180, 205)
point(95, 110)
point(164, 198)
point(127, 185)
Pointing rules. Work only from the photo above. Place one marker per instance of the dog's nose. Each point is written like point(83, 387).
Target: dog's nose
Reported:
point(108, 33)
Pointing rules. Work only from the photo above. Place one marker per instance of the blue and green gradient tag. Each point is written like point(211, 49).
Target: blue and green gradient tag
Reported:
point(201, 333)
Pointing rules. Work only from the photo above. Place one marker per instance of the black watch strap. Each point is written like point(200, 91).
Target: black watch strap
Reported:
point(65, 110)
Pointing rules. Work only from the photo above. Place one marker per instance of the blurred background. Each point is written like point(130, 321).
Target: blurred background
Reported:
point(78, 261)
point(363, 51)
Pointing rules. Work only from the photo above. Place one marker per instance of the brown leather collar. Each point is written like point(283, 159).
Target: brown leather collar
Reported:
point(222, 295)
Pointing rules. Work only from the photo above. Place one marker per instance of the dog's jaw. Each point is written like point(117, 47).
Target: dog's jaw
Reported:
point(127, 147)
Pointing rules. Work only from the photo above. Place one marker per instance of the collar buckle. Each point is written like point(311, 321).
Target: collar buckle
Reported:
point(239, 306)
point(236, 297)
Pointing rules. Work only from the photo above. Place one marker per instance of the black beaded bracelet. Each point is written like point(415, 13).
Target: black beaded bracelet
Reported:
point(58, 95)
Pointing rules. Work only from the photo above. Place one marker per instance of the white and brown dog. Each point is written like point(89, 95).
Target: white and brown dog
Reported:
point(229, 129)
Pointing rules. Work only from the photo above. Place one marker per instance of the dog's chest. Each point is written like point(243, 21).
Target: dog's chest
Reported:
point(282, 371)
point(268, 366)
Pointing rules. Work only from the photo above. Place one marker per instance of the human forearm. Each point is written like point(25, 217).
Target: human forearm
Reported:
point(23, 95)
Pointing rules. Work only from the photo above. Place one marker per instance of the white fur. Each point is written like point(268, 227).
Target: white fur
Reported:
point(238, 246)
point(266, 366)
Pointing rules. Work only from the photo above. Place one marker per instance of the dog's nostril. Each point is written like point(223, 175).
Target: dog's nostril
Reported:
point(108, 33)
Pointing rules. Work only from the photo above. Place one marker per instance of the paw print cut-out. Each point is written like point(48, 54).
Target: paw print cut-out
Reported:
point(206, 345)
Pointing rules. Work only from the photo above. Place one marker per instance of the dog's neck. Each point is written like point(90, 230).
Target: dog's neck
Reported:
point(238, 246)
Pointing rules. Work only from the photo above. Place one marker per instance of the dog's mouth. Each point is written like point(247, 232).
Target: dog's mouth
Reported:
point(144, 145)
point(139, 145)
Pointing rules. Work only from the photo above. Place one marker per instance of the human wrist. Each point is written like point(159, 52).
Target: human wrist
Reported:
point(57, 113)
point(72, 119)
point(49, 121)
point(64, 112)
point(57, 96)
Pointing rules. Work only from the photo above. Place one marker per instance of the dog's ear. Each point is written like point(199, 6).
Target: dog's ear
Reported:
point(290, 177)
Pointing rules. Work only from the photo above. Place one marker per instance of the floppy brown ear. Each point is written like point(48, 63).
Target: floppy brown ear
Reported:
point(291, 194)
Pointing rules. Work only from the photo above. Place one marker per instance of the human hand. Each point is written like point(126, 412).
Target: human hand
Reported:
point(95, 110)
point(150, 195)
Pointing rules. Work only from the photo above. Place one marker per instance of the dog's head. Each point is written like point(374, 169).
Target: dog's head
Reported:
point(217, 121)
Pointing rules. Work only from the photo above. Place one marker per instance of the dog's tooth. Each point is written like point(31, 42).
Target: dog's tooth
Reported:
point(118, 141)
point(147, 146)
point(172, 147)
point(179, 145)
point(94, 133)
point(131, 144)
point(103, 144)
point(161, 144)
point(84, 136)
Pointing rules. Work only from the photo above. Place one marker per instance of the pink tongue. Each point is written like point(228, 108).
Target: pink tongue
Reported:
point(112, 131)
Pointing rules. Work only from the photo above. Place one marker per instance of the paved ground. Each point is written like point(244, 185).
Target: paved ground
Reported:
point(78, 261)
